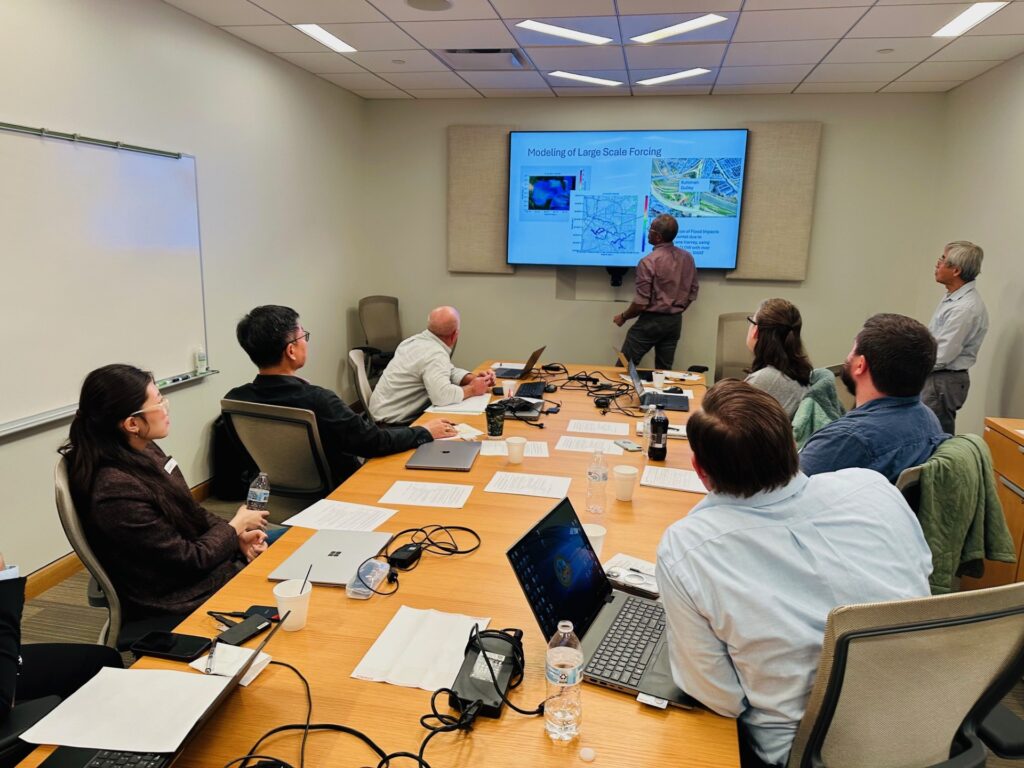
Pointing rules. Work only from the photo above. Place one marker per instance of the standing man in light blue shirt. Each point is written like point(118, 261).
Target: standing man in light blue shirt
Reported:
point(959, 326)
point(749, 576)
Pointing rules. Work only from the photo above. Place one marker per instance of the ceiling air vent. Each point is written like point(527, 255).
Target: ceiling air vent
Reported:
point(462, 59)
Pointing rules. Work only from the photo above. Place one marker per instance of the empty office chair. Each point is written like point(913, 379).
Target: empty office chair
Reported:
point(357, 365)
point(22, 717)
point(382, 329)
point(732, 358)
point(908, 683)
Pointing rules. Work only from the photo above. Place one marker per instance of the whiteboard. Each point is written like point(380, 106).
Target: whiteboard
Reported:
point(100, 264)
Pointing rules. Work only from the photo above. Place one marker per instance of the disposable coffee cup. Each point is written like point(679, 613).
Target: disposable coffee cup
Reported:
point(596, 534)
point(289, 598)
point(495, 413)
point(508, 387)
point(516, 448)
point(624, 480)
point(658, 379)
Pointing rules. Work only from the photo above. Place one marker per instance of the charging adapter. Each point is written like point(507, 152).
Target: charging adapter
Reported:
point(405, 557)
point(602, 402)
point(474, 682)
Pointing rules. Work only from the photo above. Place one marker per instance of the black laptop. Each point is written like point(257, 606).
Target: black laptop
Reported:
point(667, 401)
point(622, 635)
point(520, 373)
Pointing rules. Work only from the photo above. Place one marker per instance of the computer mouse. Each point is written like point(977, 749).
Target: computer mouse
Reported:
point(674, 390)
point(550, 388)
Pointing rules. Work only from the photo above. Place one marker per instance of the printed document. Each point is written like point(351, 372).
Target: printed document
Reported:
point(228, 659)
point(548, 486)
point(340, 516)
point(674, 430)
point(534, 448)
point(587, 445)
point(599, 427)
point(449, 495)
point(673, 479)
point(471, 405)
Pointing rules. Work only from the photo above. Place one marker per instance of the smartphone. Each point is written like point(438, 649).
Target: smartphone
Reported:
point(269, 611)
point(628, 445)
point(171, 645)
point(242, 631)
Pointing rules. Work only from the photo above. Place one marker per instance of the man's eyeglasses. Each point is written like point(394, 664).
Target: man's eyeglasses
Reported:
point(297, 338)
point(751, 320)
point(163, 404)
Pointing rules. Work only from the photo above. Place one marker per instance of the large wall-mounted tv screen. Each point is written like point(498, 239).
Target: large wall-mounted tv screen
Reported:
point(587, 198)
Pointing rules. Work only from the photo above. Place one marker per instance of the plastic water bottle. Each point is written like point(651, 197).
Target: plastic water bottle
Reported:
point(597, 483)
point(657, 448)
point(563, 708)
point(259, 492)
point(648, 415)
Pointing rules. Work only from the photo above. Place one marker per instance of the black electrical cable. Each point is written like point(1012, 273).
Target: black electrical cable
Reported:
point(428, 543)
point(518, 664)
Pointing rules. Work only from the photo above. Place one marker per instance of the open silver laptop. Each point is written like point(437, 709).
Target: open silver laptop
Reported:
point(520, 373)
point(450, 455)
point(667, 401)
point(334, 555)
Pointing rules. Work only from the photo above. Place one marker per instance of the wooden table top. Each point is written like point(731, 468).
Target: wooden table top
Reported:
point(340, 630)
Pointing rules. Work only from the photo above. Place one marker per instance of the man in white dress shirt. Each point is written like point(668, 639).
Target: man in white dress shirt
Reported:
point(959, 326)
point(749, 576)
point(421, 373)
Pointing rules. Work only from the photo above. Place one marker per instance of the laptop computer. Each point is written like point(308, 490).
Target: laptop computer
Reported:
point(667, 401)
point(520, 373)
point(645, 373)
point(83, 757)
point(334, 555)
point(451, 455)
point(622, 635)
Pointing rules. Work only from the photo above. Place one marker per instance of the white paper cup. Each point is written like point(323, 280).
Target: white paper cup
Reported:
point(516, 447)
point(596, 534)
point(289, 599)
point(625, 480)
point(508, 386)
point(658, 379)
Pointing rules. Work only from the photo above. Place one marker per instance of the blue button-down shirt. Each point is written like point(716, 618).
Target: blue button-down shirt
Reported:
point(959, 326)
point(887, 434)
point(748, 583)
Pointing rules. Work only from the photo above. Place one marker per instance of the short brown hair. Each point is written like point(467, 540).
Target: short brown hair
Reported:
point(743, 440)
point(666, 226)
point(900, 352)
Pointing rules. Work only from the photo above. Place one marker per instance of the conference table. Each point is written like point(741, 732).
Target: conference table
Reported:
point(622, 731)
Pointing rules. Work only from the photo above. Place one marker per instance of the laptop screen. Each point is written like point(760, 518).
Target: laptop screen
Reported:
point(559, 573)
point(638, 383)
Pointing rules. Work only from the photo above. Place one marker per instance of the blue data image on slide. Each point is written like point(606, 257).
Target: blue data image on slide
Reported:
point(587, 198)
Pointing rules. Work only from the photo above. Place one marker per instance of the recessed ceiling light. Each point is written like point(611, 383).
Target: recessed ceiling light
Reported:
point(429, 5)
point(974, 15)
point(398, 61)
point(583, 78)
point(678, 29)
point(324, 37)
point(674, 76)
point(571, 34)
point(885, 50)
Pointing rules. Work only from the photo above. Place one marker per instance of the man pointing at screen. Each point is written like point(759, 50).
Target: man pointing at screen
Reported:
point(666, 284)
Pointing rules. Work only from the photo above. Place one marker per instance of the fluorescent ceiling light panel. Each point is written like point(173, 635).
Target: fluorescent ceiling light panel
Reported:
point(674, 76)
point(584, 78)
point(571, 34)
point(973, 16)
point(679, 29)
point(324, 37)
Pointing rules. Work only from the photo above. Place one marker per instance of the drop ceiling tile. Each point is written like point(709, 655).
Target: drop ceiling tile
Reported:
point(424, 80)
point(1008, 20)
point(277, 38)
point(398, 61)
point(634, 26)
point(362, 82)
point(630, 7)
point(445, 93)
point(839, 87)
point(781, 5)
point(906, 20)
point(755, 88)
point(645, 74)
point(460, 34)
point(392, 93)
point(981, 48)
point(671, 89)
point(607, 74)
point(578, 57)
point(807, 24)
point(677, 56)
point(605, 26)
point(858, 73)
point(320, 11)
point(908, 86)
point(789, 52)
point(225, 12)
point(373, 36)
point(329, 62)
point(865, 49)
point(948, 70)
point(788, 73)
point(517, 93)
point(592, 90)
point(535, 9)
point(400, 10)
point(917, 2)
point(504, 79)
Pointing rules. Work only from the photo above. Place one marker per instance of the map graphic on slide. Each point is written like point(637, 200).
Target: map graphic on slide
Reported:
point(697, 186)
point(605, 223)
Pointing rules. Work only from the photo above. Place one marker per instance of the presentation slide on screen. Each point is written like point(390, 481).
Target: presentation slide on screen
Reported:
point(588, 198)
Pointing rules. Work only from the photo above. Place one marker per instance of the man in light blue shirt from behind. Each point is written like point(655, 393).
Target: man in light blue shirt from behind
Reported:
point(749, 576)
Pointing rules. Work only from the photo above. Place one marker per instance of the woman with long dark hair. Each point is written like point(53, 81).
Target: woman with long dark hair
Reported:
point(163, 551)
point(781, 367)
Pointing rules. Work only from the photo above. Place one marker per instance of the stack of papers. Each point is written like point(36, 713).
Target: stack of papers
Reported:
point(449, 495)
point(599, 427)
point(535, 448)
point(587, 445)
point(471, 405)
point(673, 479)
point(548, 486)
point(229, 659)
point(340, 516)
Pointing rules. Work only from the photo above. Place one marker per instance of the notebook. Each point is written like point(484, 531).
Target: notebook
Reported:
point(334, 555)
point(667, 401)
point(520, 373)
point(622, 635)
point(450, 455)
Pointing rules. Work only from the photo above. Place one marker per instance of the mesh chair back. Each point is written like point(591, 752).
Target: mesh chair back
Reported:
point(909, 484)
point(284, 443)
point(72, 525)
point(732, 358)
point(900, 683)
point(357, 364)
point(379, 317)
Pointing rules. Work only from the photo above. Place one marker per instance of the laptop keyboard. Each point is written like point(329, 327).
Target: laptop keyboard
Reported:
point(534, 389)
point(109, 759)
point(628, 645)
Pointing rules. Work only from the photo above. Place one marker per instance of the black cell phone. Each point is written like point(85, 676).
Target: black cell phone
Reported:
point(171, 645)
point(243, 630)
point(270, 611)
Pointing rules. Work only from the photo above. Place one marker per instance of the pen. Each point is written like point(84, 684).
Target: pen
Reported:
point(209, 659)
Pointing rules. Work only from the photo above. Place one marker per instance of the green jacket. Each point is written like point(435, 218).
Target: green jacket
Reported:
point(819, 407)
point(960, 512)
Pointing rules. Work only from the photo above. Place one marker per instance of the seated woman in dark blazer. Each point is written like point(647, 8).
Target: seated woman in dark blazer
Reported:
point(163, 551)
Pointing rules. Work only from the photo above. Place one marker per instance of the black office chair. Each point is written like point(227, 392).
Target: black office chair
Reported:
point(383, 331)
point(1003, 733)
point(22, 717)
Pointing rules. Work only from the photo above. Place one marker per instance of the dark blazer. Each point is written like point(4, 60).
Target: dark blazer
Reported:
point(12, 600)
point(155, 568)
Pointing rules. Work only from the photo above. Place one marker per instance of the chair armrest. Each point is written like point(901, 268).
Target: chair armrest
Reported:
point(22, 717)
point(1003, 732)
point(368, 351)
point(972, 757)
point(698, 369)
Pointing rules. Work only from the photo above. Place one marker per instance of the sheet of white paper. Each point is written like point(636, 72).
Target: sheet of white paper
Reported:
point(534, 448)
point(340, 516)
point(587, 445)
point(228, 659)
point(467, 432)
point(471, 405)
point(449, 495)
point(137, 710)
point(1020, 431)
point(631, 571)
point(674, 430)
point(686, 392)
point(547, 486)
point(418, 649)
point(514, 366)
point(682, 376)
point(673, 479)
point(598, 427)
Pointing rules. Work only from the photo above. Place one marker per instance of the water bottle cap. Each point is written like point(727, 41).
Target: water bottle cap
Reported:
point(565, 627)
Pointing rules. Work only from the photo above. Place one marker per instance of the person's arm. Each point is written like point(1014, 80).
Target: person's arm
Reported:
point(957, 326)
point(831, 448)
point(12, 600)
point(438, 379)
point(343, 430)
point(694, 282)
point(642, 298)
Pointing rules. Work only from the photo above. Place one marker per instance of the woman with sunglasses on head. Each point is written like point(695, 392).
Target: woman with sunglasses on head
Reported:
point(165, 554)
point(781, 367)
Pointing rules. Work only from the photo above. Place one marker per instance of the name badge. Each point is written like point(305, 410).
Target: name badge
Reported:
point(170, 465)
